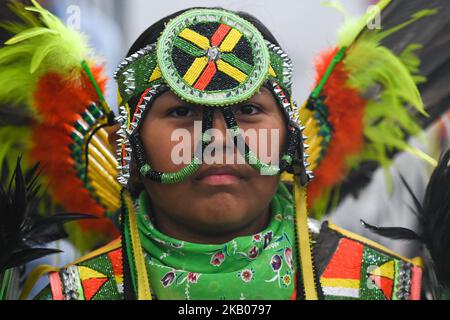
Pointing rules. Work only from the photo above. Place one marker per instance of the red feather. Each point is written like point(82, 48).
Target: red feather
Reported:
point(59, 101)
point(346, 111)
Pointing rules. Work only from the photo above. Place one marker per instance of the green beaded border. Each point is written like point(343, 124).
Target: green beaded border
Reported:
point(253, 160)
point(175, 177)
point(216, 98)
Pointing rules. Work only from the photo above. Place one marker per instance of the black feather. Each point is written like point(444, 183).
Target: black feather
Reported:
point(435, 219)
point(22, 228)
point(434, 223)
point(26, 255)
point(396, 233)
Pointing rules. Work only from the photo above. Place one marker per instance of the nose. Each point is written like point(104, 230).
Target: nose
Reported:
point(219, 124)
point(220, 149)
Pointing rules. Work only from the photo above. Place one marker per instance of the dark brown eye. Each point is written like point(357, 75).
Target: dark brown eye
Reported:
point(248, 109)
point(180, 112)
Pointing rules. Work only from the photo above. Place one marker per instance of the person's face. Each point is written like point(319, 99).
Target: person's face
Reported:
point(218, 198)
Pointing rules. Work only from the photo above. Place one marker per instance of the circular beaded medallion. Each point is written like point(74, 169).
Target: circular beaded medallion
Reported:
point(212, 57)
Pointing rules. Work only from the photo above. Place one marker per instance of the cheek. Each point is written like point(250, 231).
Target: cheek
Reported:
point(270, 136)
point(259, 192)
point(156, 136)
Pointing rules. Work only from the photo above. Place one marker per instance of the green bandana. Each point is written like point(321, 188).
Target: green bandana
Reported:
point(250, 267)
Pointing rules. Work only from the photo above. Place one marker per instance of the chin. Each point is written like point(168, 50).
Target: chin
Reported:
point(220, 216)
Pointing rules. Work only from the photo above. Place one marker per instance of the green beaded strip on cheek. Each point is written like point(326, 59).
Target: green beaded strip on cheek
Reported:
point(252, 159)
point(264, 169)
point(183, 174)
point(175, 177)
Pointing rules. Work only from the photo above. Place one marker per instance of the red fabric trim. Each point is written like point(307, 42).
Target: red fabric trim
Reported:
point(55, 286)
point(416, 283)
point(140, 103)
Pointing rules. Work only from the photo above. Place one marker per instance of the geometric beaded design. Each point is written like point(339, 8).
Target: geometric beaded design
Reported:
point(213, 57)
point(99, 278)
point(357, 271)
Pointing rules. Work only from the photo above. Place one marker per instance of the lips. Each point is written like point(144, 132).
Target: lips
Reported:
point(215, 176)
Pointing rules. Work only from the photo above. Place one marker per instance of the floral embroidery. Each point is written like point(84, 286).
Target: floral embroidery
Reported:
point(267, 238)
point(257, 237)
point(253, 253)
point(276, 262)
point(286, 280)
point(168, 278)
point(246, 274)
point(217, 259)
point(288, 257)
point(193, 277)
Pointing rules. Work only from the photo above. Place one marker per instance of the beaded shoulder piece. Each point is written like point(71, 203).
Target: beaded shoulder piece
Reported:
point(98, 276)
point(351, 267)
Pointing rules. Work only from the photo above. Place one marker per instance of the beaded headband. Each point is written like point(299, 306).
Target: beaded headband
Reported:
point(210, 57)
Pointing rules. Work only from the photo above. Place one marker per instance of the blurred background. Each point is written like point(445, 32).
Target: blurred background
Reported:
point(303, 28)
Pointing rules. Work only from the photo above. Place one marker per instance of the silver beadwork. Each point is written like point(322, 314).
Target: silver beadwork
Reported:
point(126, 129)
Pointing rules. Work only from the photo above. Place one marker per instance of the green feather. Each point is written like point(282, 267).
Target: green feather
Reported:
point(39, 56)
point(44, 44)
point(15, 142)
point(12, 27)
point(18, 9)
point(387, 120)
point(30, 33)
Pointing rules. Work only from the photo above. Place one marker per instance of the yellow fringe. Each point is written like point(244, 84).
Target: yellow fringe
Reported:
point(143, 285)
point(304, 243)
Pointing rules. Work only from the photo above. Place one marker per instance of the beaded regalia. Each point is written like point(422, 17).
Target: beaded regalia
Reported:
point(364, 106)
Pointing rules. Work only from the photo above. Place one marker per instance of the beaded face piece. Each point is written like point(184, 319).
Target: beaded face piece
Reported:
point(209, 57)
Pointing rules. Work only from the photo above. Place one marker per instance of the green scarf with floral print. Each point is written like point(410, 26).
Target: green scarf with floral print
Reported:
point(260, 266)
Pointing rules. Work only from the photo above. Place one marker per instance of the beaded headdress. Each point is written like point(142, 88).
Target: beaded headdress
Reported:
point(213, 58)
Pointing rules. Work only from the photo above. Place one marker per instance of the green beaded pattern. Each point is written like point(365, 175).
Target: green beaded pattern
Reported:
point(282, 66)
point(371, 259)
point(175, 177)
point(135, 77)
point(255, 163)
point(213, 98)
point(190, 169)
point(253, 160)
